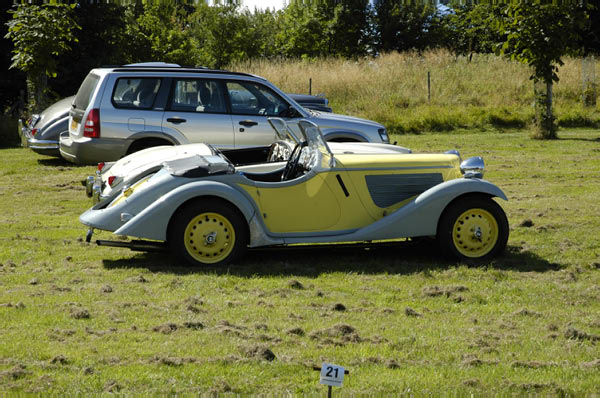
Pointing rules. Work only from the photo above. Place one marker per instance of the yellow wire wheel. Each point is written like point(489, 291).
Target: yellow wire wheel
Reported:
point(208, 232)
point(475, 233)
point(472, 228)
point(209, 238)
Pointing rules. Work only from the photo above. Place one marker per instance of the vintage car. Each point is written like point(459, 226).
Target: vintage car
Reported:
point(41, 131)
point(113, 176)
point(208, 211)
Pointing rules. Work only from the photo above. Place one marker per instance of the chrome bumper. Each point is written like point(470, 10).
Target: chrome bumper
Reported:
point(93, 187)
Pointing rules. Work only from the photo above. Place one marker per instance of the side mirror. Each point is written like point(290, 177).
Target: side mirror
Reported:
point(292, 112)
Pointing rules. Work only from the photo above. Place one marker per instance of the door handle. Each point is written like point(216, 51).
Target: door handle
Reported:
point(248, 123)
point(176, 120)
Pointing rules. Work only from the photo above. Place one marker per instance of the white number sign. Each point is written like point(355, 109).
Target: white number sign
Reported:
point(332, 375)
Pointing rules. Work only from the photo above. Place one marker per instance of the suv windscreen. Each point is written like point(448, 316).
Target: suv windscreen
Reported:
point(197, 95)
point(135, 93)
point(85, 92)
point(254, 99)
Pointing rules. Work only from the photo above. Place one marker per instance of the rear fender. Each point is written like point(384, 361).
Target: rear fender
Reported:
point(152, 222)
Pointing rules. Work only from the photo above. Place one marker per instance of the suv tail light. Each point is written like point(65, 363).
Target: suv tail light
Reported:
point(92, 124)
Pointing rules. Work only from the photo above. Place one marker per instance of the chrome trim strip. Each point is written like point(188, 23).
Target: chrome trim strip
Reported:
point(390, 168)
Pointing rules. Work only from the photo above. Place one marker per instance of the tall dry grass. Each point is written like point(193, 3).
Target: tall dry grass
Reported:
point(487, 92)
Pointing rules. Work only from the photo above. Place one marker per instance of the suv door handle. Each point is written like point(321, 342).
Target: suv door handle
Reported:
point(248, 123)
point(176, 120)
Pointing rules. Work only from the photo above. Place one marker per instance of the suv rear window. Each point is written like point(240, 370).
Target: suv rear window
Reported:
point(135, 93)
point(85, 92)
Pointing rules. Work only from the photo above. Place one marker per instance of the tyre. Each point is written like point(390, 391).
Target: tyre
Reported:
point(208, 232)
point(472, 228)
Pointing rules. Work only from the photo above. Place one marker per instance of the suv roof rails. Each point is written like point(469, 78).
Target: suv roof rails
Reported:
point(126, 68)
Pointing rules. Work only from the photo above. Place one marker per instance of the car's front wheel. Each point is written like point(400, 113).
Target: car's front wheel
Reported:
point(208, 232)
point(473, 228)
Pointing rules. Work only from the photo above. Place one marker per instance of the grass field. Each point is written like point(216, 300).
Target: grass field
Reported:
point(489, 92)
point(79, 318)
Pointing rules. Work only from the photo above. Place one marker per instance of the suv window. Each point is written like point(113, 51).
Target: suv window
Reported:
point(85, 92)
point(197, 95)
point(135, 93)
point(254, 99)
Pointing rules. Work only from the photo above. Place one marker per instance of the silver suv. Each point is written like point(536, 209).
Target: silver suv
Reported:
point(121, 110)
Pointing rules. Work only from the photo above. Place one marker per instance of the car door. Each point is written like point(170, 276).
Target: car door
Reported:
point(197, 109)
point(251, 104)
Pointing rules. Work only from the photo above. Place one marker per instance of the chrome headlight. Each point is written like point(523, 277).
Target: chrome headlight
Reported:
point(473, 167)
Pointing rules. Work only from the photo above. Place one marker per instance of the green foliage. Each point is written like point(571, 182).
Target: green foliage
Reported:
point(404, 26)
point(40, 34)
point(468, 28)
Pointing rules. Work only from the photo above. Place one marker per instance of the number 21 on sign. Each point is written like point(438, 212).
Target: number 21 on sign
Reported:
point(332, 375)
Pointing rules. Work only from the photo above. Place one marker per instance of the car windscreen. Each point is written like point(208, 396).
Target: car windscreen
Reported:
point(86, 90)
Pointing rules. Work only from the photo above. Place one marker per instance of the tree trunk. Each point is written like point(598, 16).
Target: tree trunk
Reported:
point(36, 92)
point(545, 128)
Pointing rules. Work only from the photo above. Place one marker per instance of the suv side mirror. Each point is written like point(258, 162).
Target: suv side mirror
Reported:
point(292, 112)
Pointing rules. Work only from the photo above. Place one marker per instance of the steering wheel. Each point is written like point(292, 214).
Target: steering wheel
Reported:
point(292, 164)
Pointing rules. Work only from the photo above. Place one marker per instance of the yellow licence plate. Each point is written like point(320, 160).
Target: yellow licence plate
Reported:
point(74, 125)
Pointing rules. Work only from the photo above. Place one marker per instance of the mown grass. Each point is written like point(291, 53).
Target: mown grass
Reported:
point(85, 319)
point(489, 92)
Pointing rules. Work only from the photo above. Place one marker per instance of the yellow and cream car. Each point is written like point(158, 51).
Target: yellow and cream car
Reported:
point(209, 211)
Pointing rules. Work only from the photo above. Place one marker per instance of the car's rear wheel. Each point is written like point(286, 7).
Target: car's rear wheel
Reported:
point(208, 232)
point(146, 143)
point(473, 228)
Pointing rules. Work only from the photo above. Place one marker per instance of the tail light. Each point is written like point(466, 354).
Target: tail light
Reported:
point(111, 179)
point(34, 132)
point(92, 124)
point(100, 166)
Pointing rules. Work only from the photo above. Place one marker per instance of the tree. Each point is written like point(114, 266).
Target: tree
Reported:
point(468, 29)
point(405, 26)
point(40, 34)
point(539, 35)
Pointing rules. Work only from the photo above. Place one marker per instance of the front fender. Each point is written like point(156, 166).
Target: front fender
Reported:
point(418, 218)
point(153, 221)
point(421, 216)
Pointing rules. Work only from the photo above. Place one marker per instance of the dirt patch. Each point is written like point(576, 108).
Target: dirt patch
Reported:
point(166, 328)
point(112, 386)
point(106, 289)
point(137, 279)
point(61, 289)
point(59, 360)
point(472, 382)
point(435, 291)
point(472, 361)
point(220, 386)
point(294, 284)
point(15, 373)
point(592, 364)
point(193, 325)
point(526, 312)
point(528, 223)
point(80, 313)
point(338, 307)
point(532, 364)
point(345, 334)
point(258, 352)
point(410, 312)
point(574, 334)
point(225, 327)
point(296, 331)
point(172, 361)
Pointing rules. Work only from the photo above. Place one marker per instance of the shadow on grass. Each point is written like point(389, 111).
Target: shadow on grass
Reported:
point(387, 258)
point(597, 140)
point(53, 162)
